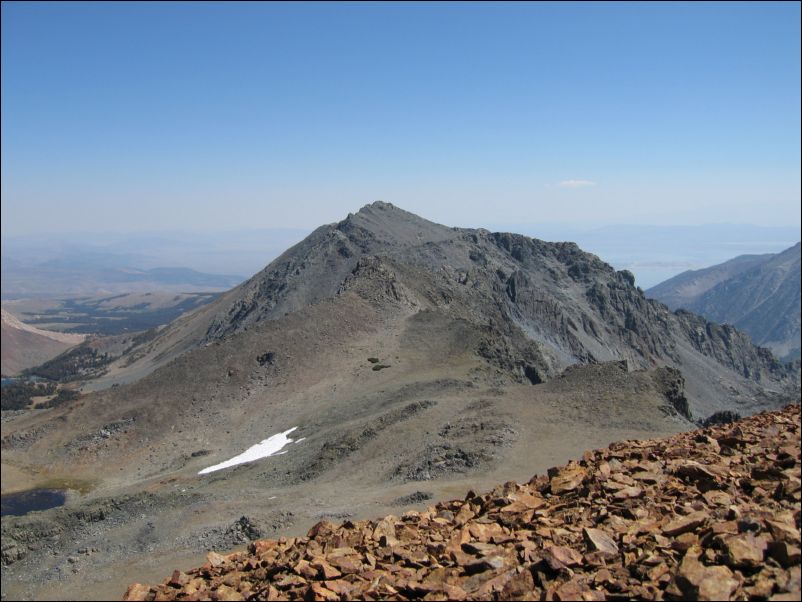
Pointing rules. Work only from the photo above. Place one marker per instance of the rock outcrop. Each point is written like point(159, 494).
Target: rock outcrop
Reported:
point(712, 514)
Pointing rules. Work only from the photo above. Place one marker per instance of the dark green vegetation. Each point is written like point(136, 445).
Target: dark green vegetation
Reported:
point(266, 358)
point(376, 365)
point(17, 396)
point(74, 364)
point(63, 396)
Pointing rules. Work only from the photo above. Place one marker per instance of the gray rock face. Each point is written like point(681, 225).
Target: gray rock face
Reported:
point(541, 306)
point(759, 294)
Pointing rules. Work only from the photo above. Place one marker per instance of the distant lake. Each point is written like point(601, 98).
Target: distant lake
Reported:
point(23, 502)
point(12, 380)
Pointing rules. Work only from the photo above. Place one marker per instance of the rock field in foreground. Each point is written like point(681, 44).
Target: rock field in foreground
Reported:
point(712, 514)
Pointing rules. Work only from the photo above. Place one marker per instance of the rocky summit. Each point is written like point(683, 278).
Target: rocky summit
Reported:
point(712, 514)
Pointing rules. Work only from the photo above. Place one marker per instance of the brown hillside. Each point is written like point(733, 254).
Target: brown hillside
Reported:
point(25, 346)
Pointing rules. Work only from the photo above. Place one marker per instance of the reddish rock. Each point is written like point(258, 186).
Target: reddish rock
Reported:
point(137, 592)
point(324, 569)
point(601, 542)
point(520, 586)
point(179, 579)
point(701, 582)
point(215, 559)
point(226, 593)
point(685, 524)
point(560, 557)
point(568, 479)
point(317, 592)
point(384, 532)
point(745, 551)
point(321, 529)
point(784, 530)
point(628, 492)
point(663, 519)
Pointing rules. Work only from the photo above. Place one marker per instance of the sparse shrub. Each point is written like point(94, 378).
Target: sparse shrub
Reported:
point(64, 395)
point(17, 396)
point(74, 364)
point(373, 360)
point(378, 367)
point(266, 358)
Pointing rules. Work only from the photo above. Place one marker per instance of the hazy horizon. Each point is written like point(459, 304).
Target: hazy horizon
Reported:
point(477, 114)
point(652, 252)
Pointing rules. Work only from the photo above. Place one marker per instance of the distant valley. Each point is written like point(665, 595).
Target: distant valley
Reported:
point(65, 279)
point(36, 331)
point(106, 315)
point(97, 264)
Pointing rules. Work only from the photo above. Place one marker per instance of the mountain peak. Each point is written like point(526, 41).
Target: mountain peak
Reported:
point(378, 206)
point(391, 224)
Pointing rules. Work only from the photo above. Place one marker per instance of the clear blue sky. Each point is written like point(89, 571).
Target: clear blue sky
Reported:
point(203, 116)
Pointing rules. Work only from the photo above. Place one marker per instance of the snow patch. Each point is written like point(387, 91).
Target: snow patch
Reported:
point(264, 449)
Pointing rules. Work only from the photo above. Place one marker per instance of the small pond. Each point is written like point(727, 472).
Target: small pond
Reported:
point(10, 380)
point(22, 502)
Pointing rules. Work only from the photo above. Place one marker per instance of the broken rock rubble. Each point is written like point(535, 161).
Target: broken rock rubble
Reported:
point(712, 514)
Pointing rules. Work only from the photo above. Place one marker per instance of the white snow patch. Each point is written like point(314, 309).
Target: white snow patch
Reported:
point(264, 449)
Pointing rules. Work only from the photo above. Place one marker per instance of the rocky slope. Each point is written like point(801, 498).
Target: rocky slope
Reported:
point(536, 307)
point(759, 294)
point(25, 346)
point(712, 514)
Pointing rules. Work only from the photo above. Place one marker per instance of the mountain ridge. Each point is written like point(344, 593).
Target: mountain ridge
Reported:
point(758, 294)
point(560, 304)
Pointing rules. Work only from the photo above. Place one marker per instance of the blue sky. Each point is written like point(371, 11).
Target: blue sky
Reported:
point(221, 115)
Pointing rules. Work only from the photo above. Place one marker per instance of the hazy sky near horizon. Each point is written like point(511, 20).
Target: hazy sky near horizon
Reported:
point(197, 116)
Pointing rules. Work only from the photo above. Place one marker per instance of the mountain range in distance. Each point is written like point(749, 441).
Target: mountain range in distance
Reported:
point(759, 294)
point(64, 279)
point(97, 264)
point(66, 265)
